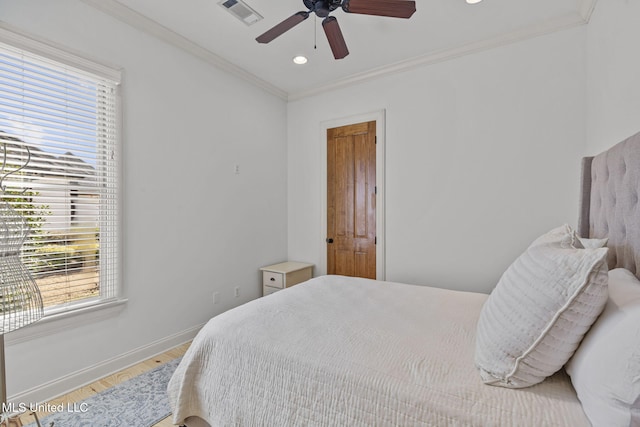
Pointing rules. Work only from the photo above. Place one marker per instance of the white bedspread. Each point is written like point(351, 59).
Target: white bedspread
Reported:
point(338, 351)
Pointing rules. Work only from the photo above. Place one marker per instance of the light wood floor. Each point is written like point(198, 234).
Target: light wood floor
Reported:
point(105, 383)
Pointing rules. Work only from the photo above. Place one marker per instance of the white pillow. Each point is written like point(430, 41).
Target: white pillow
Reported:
point(605, 370)
point(594, 243)
point(539, 311)
point(564, 235)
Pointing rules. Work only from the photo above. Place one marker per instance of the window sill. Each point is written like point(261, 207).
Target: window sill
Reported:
point(53, 323)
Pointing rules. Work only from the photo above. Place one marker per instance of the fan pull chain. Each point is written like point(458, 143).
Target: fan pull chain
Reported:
point(315, 32)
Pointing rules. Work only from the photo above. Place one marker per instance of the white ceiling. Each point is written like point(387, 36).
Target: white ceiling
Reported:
point(439, 29)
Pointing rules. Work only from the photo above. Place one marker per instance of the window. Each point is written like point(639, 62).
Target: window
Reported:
point(59, 163)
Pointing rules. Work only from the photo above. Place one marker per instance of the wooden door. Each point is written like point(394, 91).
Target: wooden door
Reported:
point(351, 200)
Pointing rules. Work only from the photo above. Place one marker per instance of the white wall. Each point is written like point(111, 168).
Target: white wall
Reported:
point(482, 155)
point(191, 226)
point(613, 70)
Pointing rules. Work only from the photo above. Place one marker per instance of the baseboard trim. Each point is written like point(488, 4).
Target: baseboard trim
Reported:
point(75, 380)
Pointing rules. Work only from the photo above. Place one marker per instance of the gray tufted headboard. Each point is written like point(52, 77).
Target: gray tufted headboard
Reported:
point(609, 205)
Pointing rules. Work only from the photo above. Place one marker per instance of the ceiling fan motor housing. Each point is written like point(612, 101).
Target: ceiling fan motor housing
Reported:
point(322, 8)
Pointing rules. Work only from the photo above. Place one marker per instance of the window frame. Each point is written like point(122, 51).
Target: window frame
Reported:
point(61, 319)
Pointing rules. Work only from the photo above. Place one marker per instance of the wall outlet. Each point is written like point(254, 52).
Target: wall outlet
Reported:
point(236, 291)
point(216, 297)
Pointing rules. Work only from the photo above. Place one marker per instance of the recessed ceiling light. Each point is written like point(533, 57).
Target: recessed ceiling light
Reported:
point(473, 1)
point(300, 60)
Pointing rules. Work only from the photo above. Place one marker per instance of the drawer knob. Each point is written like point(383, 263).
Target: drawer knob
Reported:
point(273, 279)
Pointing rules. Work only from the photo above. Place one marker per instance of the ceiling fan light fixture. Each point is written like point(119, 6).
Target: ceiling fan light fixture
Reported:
point(473, 1)
point(300, 60)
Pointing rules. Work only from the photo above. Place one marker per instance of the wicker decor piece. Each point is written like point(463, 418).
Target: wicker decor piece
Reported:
point(20, 300)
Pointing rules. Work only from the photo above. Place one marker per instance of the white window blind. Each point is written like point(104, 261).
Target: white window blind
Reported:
point(58, 149)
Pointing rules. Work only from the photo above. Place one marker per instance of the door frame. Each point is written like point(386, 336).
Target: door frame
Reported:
point(379, 117)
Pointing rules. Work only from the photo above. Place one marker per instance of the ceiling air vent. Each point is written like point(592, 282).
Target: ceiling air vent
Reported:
point(241, 10)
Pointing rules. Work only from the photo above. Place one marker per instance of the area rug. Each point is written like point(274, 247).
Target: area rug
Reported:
point(138, 402)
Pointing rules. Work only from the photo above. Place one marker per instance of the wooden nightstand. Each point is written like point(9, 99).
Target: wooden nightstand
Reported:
point(284, 275)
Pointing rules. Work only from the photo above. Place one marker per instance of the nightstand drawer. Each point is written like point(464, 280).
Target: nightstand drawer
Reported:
point(268, 290)
point(271, 279)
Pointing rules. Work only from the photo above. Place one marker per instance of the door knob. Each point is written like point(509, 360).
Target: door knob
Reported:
point(329, 240)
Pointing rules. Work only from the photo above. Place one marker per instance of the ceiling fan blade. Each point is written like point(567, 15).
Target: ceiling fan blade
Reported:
point(282, 27)
point(334, 35)
point(391, 8)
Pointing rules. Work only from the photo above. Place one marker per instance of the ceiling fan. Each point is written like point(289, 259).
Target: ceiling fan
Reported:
point(322, 8)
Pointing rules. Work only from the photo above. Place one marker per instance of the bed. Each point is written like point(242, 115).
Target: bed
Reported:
point(343, 351)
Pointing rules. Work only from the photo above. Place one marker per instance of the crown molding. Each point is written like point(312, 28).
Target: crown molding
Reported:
point(137, 20)
point(586, 9)
point(552, 26)
point(153, 28)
